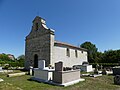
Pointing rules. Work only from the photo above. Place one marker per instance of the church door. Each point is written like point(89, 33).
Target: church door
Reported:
point(35, 61)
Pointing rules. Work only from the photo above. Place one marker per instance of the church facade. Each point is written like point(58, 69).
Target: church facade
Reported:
point(41, 45)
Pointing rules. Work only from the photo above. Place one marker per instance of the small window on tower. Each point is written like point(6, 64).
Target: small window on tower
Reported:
point(36, 26)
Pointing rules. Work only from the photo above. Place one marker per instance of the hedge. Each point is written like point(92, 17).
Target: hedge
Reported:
point(105, 64)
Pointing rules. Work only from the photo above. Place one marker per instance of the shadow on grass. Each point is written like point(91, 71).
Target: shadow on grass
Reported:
point(47, 83)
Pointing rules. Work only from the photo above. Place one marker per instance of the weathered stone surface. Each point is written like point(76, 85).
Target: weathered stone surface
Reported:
point(41, 64)
point(40, 45)
point(117, 79)
point(16, 74)
point(59, 66)
point(116, 71)
point(38, 42)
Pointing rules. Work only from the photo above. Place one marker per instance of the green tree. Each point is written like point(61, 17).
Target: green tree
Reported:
point(21, 60)
point(21, 57)
point(4, 57)
point(92, 51)
point(112, 56)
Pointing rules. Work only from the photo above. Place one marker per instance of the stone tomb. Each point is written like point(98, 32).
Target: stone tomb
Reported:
point(56, 76)
point(42, 73)
point(86, 67)
point(65, 78)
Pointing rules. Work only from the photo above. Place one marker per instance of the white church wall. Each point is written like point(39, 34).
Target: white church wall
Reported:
point(60, 55)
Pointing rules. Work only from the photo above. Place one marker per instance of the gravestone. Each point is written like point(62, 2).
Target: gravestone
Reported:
point(59, 66)
point(41, 64)
point(117, 79)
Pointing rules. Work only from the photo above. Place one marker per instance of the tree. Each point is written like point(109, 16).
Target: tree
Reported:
point(112, 56)
point(21, 60)
point(4, 57)
point(92, 51)
point(21, 57)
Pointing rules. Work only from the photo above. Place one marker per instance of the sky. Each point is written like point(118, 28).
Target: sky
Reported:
point(74, 22)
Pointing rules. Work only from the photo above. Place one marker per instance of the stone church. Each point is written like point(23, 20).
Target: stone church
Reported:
point(41, 45)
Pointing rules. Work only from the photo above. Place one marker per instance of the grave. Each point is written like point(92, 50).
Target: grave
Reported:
point(116, 70)
point(65, 78)
point(16, 74)
point(42, 73)
point(117, 79)
point(56, 76)
point(96, 73)
point(85, 67)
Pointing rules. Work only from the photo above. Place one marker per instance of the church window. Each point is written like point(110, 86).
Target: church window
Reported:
point(68, 52)
point(82, 51)
point(76, 54)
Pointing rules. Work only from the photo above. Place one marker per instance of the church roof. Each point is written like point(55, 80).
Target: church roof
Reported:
point(62, 44)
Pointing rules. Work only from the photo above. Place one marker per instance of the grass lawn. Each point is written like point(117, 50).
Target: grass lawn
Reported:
point(23, 83)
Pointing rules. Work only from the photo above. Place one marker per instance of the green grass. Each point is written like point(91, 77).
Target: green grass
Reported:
point(24, 83)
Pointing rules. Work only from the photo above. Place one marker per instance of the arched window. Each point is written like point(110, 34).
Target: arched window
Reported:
point(35, 61)
point(68, 52)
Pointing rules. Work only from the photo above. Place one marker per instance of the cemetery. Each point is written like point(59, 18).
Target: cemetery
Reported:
point(56, 76)
point(52, 78)
point(104, 82)
point(55, 65)
point(65, 72)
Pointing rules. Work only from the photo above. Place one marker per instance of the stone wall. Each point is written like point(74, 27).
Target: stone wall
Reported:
point(60, 55)
point(38, 42)
point(41, 42)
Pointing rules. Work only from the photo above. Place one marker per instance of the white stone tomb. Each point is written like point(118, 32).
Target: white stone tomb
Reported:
point(42, 73)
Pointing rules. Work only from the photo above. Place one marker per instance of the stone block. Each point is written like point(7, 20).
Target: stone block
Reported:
point(116, 71)
point(117, 79)
point(16, 74)
point(41, 64)
point(45, 74)
point(59, 66)
point(66, 76)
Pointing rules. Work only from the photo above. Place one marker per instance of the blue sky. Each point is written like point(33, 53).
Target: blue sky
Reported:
point(74, 22)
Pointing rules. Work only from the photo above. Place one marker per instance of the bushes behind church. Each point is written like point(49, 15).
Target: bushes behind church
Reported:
point(6, 62)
